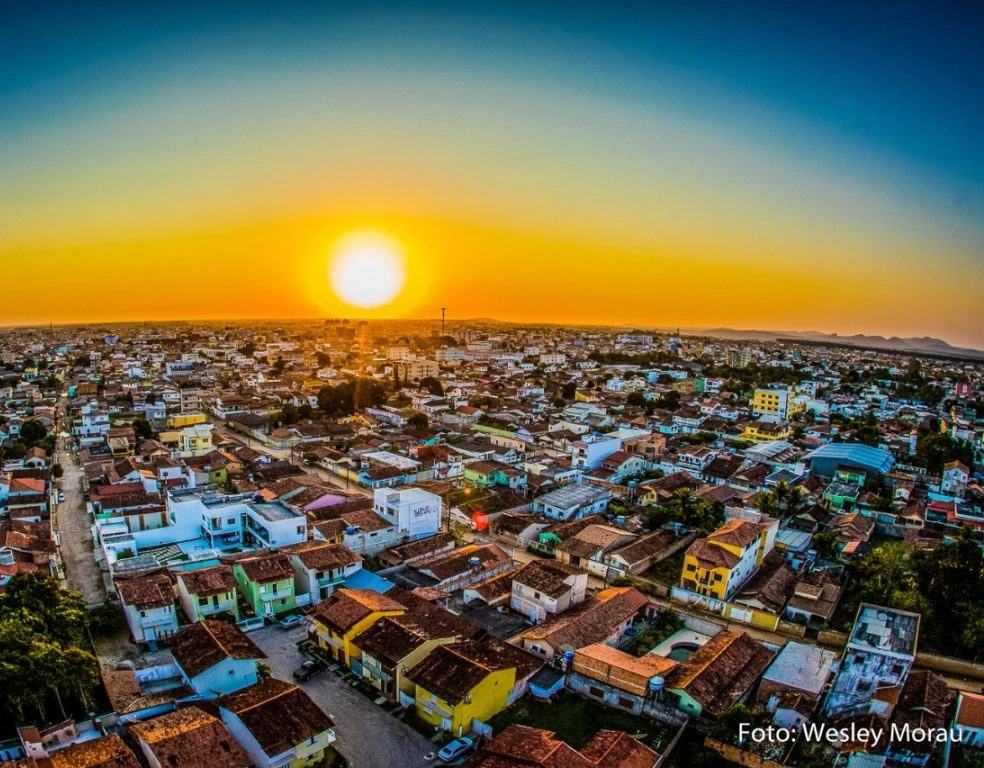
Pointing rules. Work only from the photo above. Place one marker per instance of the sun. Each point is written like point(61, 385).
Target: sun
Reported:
point(367, 269)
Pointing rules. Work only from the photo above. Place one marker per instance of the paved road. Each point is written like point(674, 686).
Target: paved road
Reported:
point(71, 520)
point(285, 454)
point(368, 736)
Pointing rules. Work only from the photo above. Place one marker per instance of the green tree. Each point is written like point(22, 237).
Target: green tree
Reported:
point(636, 399)
point(142, 429)
point(32, 432)
point(57, 470)
point(432, 385)
point(934, 449)
point(418, 420)
point(569, 390)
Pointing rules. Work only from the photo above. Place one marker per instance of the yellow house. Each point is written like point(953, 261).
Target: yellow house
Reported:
point(344, 615)
point(460, 683)
point(761, 431)
point(716, 566)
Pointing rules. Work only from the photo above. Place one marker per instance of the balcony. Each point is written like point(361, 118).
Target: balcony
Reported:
point(157, 620)
point(269, 597)
point(330, 581)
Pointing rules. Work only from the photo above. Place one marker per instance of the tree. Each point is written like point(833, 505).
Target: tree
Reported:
point(418, 420)
point(569, 390)
point(432, 385)
point(142, 429)
point(636, 399)
point(32, 432)
point(56, 470)
point(934, 449)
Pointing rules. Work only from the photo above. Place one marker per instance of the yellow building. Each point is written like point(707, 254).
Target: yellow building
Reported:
point(179, 420)
point(776, 403)
point(762, 431)
point(717, 566)
point(344, 615)
point(460, 683)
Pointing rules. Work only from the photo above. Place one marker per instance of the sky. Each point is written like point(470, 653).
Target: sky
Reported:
point(782, 166)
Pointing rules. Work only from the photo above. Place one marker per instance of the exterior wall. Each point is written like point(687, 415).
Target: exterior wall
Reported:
point(266, 599)
point(196, 611)
point(300, 755)
point(341, 646)
point(151, 625)
point(628, 702)
point(488, 698)
point(225, 677)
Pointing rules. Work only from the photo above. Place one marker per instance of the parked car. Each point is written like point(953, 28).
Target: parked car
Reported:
point(289, 622)
point(307, 670)
point(456, 749)
point(61, 497)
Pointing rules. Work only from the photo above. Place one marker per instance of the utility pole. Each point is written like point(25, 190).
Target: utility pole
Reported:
point(443, 310)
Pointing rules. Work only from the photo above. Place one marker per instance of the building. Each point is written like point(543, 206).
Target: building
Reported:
point(720, 674)
point(827, 459)
point(277, 724)
point(215, 657)
point(415, 513)
point(604, 618)
point(182, 739)
point(148, 606)
point(617, 678)
point(775, 404)
point(590, 451)
point(546, 587)
point(520, 745)
point(457, 684)
point(266, 582)
point(572, 501)
point(795, 681)
point(104, 752)
point(717, 566)
point(346, 614)
point(878, 656)
point(320, 568)
point(207, 592)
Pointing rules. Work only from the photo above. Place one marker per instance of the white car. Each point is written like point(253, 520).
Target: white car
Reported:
point(61, 497)
point(456, 749)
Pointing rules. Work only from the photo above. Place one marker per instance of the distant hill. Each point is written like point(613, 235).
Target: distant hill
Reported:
point(926, 345)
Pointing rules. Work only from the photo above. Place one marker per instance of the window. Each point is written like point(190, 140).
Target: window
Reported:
point(598, 693)
point(203, 601)
point(624, 702)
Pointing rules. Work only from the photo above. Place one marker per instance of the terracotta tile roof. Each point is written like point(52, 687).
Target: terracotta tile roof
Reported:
point(206, 582)
point(599, 660)
point(970, 710)
point(453, 671)
point(547, 576)
point(520, 745)
point(590, 622)
point(318, 556)
point(645, 547)
point(279, 715)
point(206, 643)
point(616, 749)
point(739, 533)
point(458, 561)
point(721, 671)
point(709, 556)
point(267, 568)
point(347, 607)
point(183, 739)
point(104, 752)
point(149, 591)
point(772, 584)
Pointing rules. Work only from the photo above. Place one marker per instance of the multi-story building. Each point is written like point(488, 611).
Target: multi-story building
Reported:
point(775, 403)
point(716, 566)
point(205, 592)
point(415, 513)
point(879, 655)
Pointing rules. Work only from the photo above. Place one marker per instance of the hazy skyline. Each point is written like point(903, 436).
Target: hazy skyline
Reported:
point(769, 166)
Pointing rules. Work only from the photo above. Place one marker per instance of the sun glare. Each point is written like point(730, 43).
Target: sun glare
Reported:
point(367, 269)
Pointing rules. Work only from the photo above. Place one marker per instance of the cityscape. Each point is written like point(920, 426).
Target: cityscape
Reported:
point(527, 385)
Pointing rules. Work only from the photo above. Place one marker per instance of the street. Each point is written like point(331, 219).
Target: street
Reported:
point(285, 454)
point(368, 736)
point(71, 520)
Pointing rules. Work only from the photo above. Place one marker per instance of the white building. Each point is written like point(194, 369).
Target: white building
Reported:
point(572, 501)
point(415, 513)
point(588, 453)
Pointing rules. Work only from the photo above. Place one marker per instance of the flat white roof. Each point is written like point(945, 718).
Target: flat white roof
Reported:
point(801, 666)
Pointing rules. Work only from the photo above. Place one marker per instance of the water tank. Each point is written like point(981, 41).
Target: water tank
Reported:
point(620, 520)
point(258, 497)
point(811, 555)
point(656, 684)
point(6, 556)
point(568, 656)
point(350, 530)
point(474, 562)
